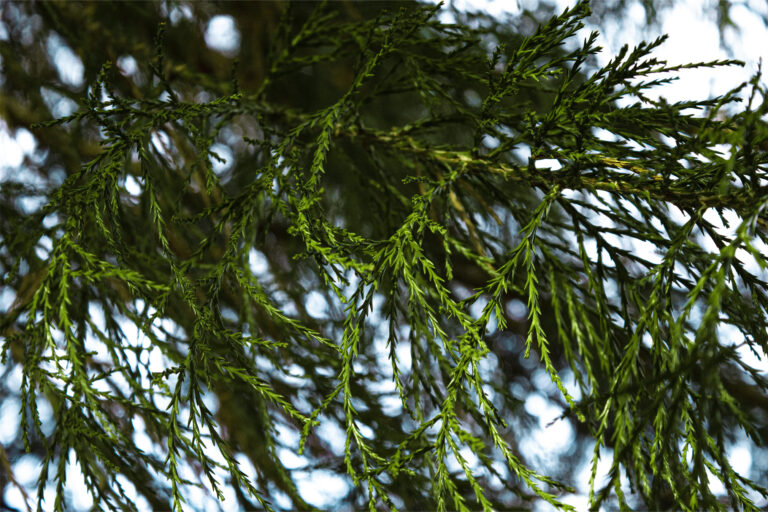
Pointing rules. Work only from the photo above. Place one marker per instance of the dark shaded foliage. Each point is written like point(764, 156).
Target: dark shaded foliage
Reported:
point(465, 201)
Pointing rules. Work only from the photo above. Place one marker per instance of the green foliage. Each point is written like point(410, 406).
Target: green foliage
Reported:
point(416, 177)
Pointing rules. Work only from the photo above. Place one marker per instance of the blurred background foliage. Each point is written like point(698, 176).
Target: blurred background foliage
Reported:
point(367, 186)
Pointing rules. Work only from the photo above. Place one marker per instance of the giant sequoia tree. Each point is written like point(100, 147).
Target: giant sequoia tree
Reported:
point(356, 244)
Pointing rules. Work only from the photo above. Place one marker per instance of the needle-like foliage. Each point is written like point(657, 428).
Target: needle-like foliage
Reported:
point(359, 250)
